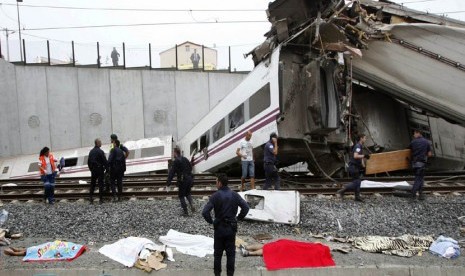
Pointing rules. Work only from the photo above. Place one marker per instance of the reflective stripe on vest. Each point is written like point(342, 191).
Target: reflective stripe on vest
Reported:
point(43, 164)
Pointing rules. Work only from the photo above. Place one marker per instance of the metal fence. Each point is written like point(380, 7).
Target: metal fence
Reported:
point(185, 56)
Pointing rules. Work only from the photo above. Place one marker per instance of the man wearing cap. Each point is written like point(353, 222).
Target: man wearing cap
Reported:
point(269, 160)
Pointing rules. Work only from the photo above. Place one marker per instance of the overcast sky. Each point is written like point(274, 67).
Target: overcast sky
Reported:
point(241, 36)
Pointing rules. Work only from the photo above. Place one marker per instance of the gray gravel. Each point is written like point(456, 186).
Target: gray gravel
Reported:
point(96, 225)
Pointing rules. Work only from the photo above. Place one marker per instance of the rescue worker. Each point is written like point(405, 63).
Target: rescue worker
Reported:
point(116, 164)
point(48, 172)
point(421, 150)
point(356, 165)
point(269, 161)
point(245, 152)
point(183, 170)
point(225, 203)
point(113, 138)
point(97, 163)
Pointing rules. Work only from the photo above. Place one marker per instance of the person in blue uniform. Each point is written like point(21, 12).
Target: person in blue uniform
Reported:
point(113, 138)
point(225, 203)
point(269, 163)
point(355, 166)
point(97, 163)
point(183, 170)
point(116, 164)
point(421, 150)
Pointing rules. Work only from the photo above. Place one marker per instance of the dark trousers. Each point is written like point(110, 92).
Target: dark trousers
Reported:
point(96, 175)
point(116, 178)
point(271, 175)
point(224, 241)
point(184, 191)
point(418, 184)
point(49, 187)
point(354, 172)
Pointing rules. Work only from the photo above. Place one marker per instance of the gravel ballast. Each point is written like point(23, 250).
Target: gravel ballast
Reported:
point(96, 225)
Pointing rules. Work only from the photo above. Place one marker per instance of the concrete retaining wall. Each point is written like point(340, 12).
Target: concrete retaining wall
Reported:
point(67, 107)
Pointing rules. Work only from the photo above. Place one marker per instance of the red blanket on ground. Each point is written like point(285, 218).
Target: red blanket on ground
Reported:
point(292, 254)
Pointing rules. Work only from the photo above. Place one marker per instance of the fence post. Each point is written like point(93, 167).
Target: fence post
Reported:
point(176, 51)
point(72, 49)
point(124, 56)
point(150, 55)
point(48, 53)
point(203, 58)
point(98, 55)
point(24, 51)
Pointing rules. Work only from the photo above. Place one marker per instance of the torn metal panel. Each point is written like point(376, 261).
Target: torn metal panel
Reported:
point(273, 206)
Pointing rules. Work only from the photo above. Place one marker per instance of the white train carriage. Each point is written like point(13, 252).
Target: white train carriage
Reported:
point(145, 155)
point(253, 105)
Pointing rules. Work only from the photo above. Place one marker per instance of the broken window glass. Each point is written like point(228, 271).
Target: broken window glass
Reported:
point(236, 117)
point(204, 140)
point(194, 148)
point(218, 131)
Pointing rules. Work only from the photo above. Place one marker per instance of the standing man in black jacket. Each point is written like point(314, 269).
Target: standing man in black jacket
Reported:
point(116, 161)
point(225, 203)
point(183, 170)
point(97, 163)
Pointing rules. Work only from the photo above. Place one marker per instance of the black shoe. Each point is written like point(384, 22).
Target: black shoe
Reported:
point(193, 208)
point(359, 199)
point(244, 251)
point(91, 201)
point(340, 193)
point(421, 197)
point(184, 214)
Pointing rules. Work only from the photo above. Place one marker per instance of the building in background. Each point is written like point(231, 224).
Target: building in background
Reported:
point(187, 54)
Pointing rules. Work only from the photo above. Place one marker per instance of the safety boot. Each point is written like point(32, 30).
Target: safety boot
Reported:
point(340, 193)
point(358, 198)
point(192, 208)
point(421, 196)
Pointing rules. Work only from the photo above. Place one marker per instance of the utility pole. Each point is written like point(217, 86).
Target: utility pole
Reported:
point(19, 30)
point(7, 43)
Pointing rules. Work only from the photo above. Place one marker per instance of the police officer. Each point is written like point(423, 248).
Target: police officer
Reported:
point(225, 203)
point(421, 150)
point(113, 138)
point(355, 166)
point(269, 160)
point(116, 163)
point(97, 163)
point(183, 170)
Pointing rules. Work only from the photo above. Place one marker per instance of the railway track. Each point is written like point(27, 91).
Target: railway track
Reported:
point(151, 187)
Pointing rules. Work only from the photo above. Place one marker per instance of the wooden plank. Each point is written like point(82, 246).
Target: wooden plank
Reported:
point(388, 161)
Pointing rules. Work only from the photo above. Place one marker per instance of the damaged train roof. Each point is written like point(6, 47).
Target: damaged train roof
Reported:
point(410, 55)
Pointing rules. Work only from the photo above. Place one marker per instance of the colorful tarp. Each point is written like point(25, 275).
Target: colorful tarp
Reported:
point(54, 251)
point(284, 253)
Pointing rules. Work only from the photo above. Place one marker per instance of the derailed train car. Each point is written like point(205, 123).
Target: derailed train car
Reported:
point(329, 71)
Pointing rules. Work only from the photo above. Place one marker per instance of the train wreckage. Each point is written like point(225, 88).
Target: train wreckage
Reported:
point(329, 70)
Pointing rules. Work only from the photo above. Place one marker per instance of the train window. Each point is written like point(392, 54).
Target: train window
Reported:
point(71, 162)
point(86, 159)
point(204, 140)
point(194, 148)
point(33, 167)
point(260, 100)
point(218, 131)
point(236, 117)
point(255, 201)
point(5, 169)
point(153, 151)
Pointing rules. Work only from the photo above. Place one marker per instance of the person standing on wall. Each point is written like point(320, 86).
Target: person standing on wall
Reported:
point(183, 170)
point(421, 150)
point(269, 161)
point(356, 164)
point(225, 203)
point(195, 58)
point(114, 57)
point(245, 152)
point(116, 164)
point(97, 163)
point(48, 172)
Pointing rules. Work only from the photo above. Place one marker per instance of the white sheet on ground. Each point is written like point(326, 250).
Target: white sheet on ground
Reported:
point(195, 245)
point(376, 184)
point(126, 251)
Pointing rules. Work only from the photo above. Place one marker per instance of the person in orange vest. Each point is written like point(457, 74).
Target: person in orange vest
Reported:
point(48, 172)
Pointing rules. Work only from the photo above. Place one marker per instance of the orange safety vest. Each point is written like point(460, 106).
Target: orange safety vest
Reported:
point(43, 164)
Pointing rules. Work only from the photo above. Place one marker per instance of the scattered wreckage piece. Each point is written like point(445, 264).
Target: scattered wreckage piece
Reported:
point(273, 206)
point(388, 161)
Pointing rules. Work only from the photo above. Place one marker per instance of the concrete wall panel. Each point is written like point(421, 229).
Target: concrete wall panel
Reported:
point(95, 105)
point(63, 108)
point(159, 99)
point(31, 87)
point(9, 131)
point(192, 100)
point(126, 104)
point(221, 84)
